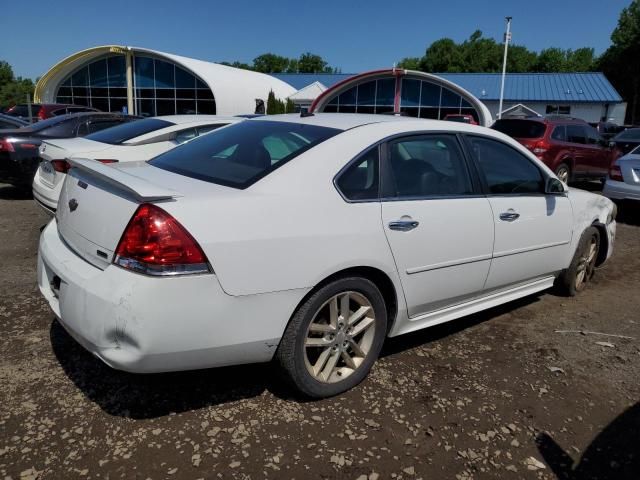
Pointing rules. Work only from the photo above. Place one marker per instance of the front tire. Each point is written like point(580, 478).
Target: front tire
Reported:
point(563, 172)
point(334, 338)
point(580, 272)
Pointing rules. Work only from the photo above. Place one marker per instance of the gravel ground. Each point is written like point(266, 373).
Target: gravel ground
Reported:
point(495, 395)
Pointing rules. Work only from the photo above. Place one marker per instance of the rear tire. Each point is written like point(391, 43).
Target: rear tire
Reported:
point(334, 338)
point(580, 272)
point(563, 172)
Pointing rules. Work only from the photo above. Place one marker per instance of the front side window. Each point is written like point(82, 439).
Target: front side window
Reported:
point(361, 180)
point(506, 170)
point(429, 165)
point(576, 134)
point(243, 153)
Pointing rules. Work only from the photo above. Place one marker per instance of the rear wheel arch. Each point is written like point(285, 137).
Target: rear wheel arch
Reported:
point(380, 279)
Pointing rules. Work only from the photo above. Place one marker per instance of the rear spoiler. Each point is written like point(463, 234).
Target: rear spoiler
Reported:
point(141, 189)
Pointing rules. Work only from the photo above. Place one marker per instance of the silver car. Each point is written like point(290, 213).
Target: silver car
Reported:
point(623, 181)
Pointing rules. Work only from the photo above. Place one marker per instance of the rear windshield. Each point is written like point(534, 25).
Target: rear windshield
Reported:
point(127, 131)
point(520, 128)
point(632, 134)
point(239, 155)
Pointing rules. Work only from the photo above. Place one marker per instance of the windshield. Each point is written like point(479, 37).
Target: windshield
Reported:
point(122, 133)
point(520, 128)
point(241, 154)
point(631, 134)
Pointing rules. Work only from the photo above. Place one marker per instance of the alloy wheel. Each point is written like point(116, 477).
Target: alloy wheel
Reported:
point(586, 265)
point(563, 174)
point(339, 337)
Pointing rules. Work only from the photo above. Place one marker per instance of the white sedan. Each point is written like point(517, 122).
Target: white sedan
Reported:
point(139, 140)
point(309, 239)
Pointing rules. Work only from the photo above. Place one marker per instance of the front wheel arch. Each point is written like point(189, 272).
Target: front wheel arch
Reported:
point(604, 242)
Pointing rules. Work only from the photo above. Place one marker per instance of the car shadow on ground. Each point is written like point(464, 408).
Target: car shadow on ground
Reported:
point(614, 454)
point(10, 192)
point(628, 213)
point(154, 395)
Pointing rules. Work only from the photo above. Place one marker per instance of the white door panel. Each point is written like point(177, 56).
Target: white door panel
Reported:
point(446, 257)
point(532, 237)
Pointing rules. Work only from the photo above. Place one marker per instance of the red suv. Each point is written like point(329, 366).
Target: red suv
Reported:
point(42, 111)
point(570, 147)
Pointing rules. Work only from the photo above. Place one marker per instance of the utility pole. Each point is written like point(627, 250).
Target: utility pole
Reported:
point(507, 39)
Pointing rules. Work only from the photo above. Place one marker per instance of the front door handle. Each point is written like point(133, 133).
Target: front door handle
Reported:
point(509, 216)
point(403, 225)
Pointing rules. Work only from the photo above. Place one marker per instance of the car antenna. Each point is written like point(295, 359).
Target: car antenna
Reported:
point(304, 113)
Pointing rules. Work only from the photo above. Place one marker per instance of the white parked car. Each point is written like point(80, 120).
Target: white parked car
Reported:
point(623, 181)
point(310, 239)
point(139, 140)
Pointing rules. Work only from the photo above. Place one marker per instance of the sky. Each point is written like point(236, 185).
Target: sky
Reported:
point(352, 35)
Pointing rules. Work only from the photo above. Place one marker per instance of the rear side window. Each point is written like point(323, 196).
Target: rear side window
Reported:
point(122, 133)
point(559, 133)
point(61, 129)
point(98, 125)
point(506, 170)
point(576, 134)
point(429, 165)
point(360, 181)
point(520, 128)
point(241, 154)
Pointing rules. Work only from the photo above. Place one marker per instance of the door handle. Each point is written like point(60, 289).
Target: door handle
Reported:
point(403, 225)
point(509, 216)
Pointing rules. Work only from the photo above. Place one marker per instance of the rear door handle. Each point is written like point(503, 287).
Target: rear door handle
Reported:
point(403, 225)
point(509, 216)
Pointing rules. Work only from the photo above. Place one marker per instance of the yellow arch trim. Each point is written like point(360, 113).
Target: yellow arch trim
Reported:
point(70, 59)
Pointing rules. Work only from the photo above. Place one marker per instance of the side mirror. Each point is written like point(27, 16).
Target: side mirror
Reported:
point(611, 145)
point(554, 187)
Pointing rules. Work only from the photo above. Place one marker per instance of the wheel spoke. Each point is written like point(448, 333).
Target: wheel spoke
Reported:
point(358, 314)
point(321, 328)
point(322, 360)
point(356, 348)
point(592, 253)
point(331, 363)
point(333, 312)
point(364, 324)
point(344, 306)
point(348, 360)
point(316, 342)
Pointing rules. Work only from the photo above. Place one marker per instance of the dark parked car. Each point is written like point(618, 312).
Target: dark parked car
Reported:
point(42, 111)
point(570, 147)
point(607, 129)
point(19, 154)
point(7, 121)
point(627, 140)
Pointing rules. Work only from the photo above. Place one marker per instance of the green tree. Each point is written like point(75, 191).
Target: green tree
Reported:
point(6, 73)
point(480, 54)
point(551, 60)
point(312, 63)
point(270, 63)
point(236, 64)
point(580, 60)
point(13, 90)
point(409, 63)
point(276, 106)
point(620, 61)
point(442, 56)
point(520, 59)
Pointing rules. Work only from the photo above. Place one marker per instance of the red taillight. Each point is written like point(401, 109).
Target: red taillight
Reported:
point(61, 166)
point(6, 145)
point(615, 173)
point(41, 114)
point(540, 148)
point(156, 244)
point(106, 160)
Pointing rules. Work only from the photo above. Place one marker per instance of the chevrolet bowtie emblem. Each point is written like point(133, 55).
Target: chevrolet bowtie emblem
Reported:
point(73, 204)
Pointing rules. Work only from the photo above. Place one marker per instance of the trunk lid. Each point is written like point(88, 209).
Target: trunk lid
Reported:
point(630, 168)
point(61, 149)
point(96, 203)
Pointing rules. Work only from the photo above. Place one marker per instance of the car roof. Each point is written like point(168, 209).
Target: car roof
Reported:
point(341, 121)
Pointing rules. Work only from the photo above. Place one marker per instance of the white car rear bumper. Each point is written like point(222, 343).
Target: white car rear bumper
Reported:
point(143, 324)
point(45, 195)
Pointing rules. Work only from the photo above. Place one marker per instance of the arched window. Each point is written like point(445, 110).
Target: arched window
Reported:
point(159, 87)
point(163, 88)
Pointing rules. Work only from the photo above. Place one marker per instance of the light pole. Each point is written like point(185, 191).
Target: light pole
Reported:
point(507, 39)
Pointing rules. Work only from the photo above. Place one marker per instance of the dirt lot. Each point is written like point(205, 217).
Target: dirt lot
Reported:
point(494, 395)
